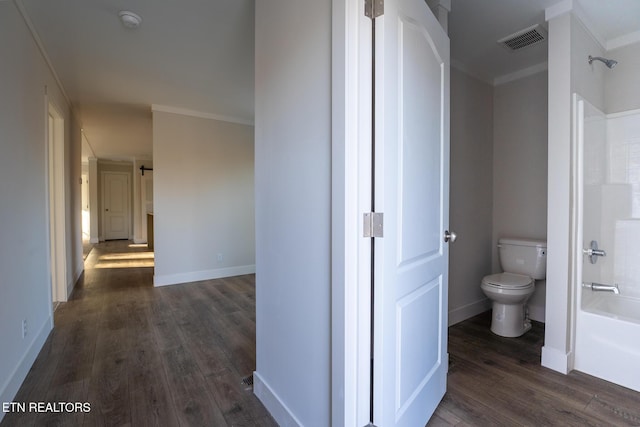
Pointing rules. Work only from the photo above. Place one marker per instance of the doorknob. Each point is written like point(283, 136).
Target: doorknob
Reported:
point(450, 236)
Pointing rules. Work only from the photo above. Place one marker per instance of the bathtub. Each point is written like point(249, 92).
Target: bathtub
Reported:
point(608, 345)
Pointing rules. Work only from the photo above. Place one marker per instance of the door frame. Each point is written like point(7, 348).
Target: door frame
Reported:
point(103, 198)
point(55, 201)
point(351, 197)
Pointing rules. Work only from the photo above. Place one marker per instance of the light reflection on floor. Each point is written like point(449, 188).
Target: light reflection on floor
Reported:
point(125, 260)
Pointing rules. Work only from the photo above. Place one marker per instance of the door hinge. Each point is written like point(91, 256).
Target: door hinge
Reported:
point(373, 224)
point(373, 8)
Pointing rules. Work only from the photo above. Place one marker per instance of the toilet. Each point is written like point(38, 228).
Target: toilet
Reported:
point(523, 261)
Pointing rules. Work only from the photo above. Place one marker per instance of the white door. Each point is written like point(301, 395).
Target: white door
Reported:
point(115, 202)
point(412, 190)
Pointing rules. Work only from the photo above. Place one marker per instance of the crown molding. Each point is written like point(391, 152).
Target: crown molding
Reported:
point(520, 74)
point(43, 52)
point(622, 41)
point(200, 114)
point(463, 69)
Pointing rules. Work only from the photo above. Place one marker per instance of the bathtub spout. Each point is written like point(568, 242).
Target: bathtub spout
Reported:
point(602, 288)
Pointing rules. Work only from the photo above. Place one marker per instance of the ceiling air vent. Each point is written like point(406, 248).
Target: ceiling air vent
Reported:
point(524, 38)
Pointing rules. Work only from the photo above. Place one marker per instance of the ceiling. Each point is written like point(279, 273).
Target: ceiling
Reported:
point(198, 55)
point(475, 26)
point(187, 54)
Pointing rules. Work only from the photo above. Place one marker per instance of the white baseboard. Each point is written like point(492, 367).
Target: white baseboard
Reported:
point(196, 276)
point(94, 240)
point(555, 359)
point(12, 385)
point(139, 241)
point(465, 312)
point(276, 407)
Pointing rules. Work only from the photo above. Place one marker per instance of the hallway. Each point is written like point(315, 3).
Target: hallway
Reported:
point(141, 355)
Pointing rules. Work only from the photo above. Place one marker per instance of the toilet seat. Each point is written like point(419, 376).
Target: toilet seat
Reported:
point(508, 281)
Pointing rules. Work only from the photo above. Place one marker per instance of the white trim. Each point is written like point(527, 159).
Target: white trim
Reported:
point(573, 7)
point(56, 200)
point(584, 20)
point(520, 74)
point(12, 385)
point(197, 276)
point(351, 192)
point(276, 407)
point(553, 358)
point(622, 41)
point(622, 114)
point(113, 162)
point(201, 115)
point(43, 52)
point(465, 312)
point(558, 9)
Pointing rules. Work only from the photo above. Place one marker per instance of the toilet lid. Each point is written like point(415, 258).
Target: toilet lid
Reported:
point(508, 280)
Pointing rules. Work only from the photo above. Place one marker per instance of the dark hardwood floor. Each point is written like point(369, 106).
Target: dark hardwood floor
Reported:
point(495, 381)
point(176, 356)
point(144, 356)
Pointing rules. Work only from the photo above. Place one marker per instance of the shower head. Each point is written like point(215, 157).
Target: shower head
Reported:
point(608, 62)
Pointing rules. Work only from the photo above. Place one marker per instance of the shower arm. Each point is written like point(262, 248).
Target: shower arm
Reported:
point(610, 63)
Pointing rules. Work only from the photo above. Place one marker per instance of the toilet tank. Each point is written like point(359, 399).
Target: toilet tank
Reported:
point(523, 256)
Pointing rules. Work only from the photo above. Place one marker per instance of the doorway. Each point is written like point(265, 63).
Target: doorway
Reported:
point(116, 215)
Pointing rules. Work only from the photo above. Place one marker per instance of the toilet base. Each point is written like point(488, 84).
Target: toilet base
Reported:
point(509, 320)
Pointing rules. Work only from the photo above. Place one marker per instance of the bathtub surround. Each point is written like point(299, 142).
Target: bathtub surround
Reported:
point(608, 212)
point(570, 44)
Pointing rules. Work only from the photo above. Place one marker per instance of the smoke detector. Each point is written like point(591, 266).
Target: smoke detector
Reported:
point(129, 19)
point(524, 38)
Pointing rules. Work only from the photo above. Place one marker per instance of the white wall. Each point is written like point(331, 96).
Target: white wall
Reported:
point(203, 198)
point(293, 208)
point(570, 44)
point(587, 79)
point(556, 349)
point(520, 136)
point(622, 84)
point(25, 290)
point(471, 194)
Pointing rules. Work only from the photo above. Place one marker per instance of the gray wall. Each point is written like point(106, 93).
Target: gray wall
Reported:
point(520, 167)
point(471, 194)
point(498, 181)
point(25, 287)
point(622, 84)
point(293, 209)
point(203, 198)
